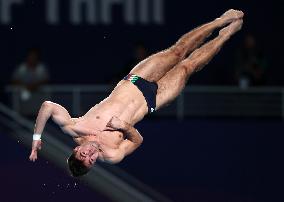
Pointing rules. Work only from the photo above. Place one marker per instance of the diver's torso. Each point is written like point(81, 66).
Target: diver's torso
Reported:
point(125, 102)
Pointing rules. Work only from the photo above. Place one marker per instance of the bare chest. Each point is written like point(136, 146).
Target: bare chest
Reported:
point(107, 142)
point(93, 120)
point(96, 131)
point(111, 139)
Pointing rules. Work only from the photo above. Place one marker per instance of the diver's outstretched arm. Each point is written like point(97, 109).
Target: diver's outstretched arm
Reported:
point(58, 114)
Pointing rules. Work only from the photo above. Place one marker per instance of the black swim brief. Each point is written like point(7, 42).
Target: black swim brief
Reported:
point(148, 89)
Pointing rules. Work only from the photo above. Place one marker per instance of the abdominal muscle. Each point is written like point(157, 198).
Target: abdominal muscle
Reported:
point(126, 102)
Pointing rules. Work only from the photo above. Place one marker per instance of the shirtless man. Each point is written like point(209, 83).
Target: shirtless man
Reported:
point(106, 131)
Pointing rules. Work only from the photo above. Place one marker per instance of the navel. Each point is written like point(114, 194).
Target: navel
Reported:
point(97, 117)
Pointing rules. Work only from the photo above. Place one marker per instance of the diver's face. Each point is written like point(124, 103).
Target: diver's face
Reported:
point(86, 153)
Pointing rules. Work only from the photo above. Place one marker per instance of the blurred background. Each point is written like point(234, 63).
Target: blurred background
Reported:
point(221, 140)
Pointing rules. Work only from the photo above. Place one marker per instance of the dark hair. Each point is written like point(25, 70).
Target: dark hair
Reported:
point(76, 167)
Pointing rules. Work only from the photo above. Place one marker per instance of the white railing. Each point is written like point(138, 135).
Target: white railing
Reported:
point(194, 100)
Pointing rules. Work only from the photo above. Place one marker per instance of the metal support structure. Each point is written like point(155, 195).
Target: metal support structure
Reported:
point(246, 98)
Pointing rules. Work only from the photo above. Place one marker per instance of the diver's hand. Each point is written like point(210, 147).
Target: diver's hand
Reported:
point(115, 124)
point(33, 156)
point(36, 145)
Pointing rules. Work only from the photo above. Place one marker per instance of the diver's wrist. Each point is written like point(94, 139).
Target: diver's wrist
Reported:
point(36, 136)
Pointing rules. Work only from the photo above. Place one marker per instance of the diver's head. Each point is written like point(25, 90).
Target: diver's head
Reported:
point(82, 159)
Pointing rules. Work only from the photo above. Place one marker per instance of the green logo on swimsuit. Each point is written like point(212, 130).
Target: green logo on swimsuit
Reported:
point(133, 78)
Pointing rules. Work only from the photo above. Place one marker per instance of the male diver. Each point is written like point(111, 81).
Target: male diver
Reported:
point(106, 131)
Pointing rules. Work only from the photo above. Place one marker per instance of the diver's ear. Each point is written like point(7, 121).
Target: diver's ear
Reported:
point(76, 149)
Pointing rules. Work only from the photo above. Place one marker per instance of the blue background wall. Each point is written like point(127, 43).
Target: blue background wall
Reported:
point(95, 53)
